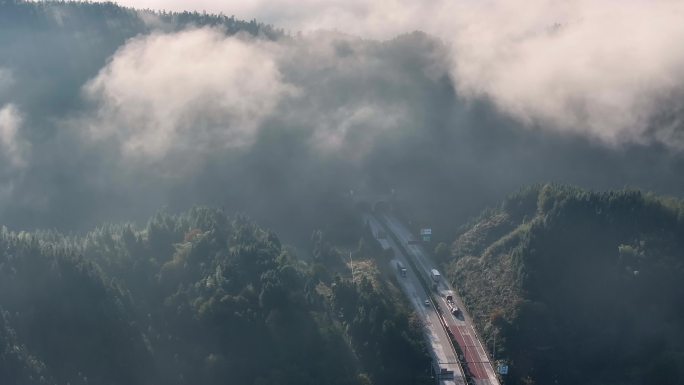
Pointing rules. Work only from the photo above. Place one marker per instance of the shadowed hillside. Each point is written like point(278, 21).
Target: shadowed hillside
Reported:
point(578, 286)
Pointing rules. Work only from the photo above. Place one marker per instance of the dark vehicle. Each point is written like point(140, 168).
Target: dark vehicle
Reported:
point(454, 309)
point(446, 374)
point(401, 268)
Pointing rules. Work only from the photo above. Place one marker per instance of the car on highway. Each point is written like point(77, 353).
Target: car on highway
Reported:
point(401, 268)
point(454, 310)
point(427, 301)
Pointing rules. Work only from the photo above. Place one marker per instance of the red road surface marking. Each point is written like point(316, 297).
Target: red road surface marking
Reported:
point(468, 346)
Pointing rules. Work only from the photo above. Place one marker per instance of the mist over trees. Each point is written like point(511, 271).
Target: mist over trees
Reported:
point(351, 114)
point(111, 114)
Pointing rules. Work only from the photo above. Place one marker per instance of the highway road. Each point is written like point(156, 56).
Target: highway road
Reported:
point(443, 353)
point(461, 326)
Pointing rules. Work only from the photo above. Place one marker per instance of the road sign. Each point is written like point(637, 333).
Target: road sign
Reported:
point(425, 231)
point(503, 369)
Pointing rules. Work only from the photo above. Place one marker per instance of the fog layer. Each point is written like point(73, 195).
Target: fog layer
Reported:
point(112, 115)
point(606, 69)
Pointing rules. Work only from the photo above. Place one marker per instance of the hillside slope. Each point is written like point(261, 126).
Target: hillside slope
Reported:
point(578, 286)
point(198, 298)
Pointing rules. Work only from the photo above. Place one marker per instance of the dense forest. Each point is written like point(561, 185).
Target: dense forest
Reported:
point(198, 298)
point(577, 286)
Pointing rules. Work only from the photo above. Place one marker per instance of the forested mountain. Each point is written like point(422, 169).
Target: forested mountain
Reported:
point(109, 114)
point(578, 286)
point(198, 298)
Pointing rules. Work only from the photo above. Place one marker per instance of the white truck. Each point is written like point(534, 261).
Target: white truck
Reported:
point(434, 274)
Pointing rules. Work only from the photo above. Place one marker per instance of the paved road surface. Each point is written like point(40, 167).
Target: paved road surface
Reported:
point(461, 326)
point(439, 342)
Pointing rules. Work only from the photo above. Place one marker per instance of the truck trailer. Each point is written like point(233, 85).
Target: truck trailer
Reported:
point(434, 274)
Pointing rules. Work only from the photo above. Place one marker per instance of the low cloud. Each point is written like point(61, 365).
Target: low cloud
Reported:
point(272, 127)
point(356, 126)
point(191, 91)
point(607, 69)
point(353, 90)
point(6, 79)
point(13, 147)
point(177, 97)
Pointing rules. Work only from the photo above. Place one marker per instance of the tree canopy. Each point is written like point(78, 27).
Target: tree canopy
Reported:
point(194, 298)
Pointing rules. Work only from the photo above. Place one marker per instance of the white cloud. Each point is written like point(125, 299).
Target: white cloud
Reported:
point(345, 82)
point(352, 128)
point(13, 147)
point(604, 68)
point(191, 91)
